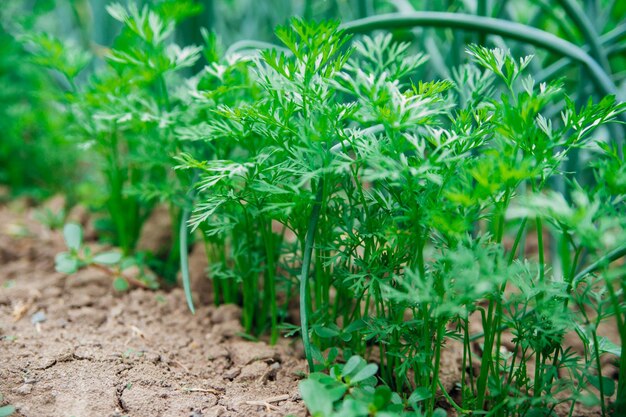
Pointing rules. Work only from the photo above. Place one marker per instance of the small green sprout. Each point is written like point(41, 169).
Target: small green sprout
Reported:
point(111, 262)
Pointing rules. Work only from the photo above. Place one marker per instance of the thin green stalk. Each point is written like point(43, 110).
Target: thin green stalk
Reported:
point(469, 356)
point(485, 360)
point(435, 378)
point(183, 247)
point(518, 238)
point(537, 385)
point(269, 286)
point(540, 249)
point(596, 349)
point(451, 401)
point(620, 403)
point(613, 255)
point(304, 275)
point(494, 316)
point(184, 259)
point(586, 27)
point(509, 380)
point(419, 256)
point(464, 361)
point(500, 213)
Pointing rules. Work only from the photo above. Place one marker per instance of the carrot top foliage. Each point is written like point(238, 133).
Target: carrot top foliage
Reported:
point(407, 205)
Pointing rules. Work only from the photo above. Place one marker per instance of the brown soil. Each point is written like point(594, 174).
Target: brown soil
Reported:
point(71, 346)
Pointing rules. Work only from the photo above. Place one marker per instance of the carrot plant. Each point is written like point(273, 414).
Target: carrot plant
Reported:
point(260, 187)
point(32, 126)
point(405, 208)
point(126, 115)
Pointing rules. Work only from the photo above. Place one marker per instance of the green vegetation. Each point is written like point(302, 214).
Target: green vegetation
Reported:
point(396, 199)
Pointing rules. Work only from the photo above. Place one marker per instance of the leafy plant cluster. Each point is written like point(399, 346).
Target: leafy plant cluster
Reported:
point(32, 127)
point(350, 390)
point(124, 116)
point(344, 197)
point(405, 206)
point(110, 262)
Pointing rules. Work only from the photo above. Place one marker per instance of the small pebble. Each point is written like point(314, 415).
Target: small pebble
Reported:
point(38, 317)
point(24, 389)
point(232, 373)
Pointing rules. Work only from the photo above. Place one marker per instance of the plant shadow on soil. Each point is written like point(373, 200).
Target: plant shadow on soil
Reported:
point(71, 346)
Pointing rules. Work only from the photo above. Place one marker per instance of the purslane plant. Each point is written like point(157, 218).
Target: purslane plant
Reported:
point(111, 263)
point(412, 202)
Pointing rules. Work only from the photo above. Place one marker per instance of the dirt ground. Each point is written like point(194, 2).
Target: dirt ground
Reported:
point(71, 346)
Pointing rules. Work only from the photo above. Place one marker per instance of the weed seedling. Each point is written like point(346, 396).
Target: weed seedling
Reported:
point(111, 263)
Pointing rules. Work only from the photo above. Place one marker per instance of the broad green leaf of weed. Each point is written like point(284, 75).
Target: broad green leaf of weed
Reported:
point(316, 397)
point(73, 235)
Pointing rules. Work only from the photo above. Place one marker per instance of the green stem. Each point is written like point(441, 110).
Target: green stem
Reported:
point(435, 376)
point(518, 238)
point(485, 360)
point(269, 286)
point(451, 401)
point(540, 250)
point(586, 27)
point(537, 386)
point(613, 255)
point(304, 275)
point(596, 349)
point(184, 259)
point(620, 403)
point(183, 235)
